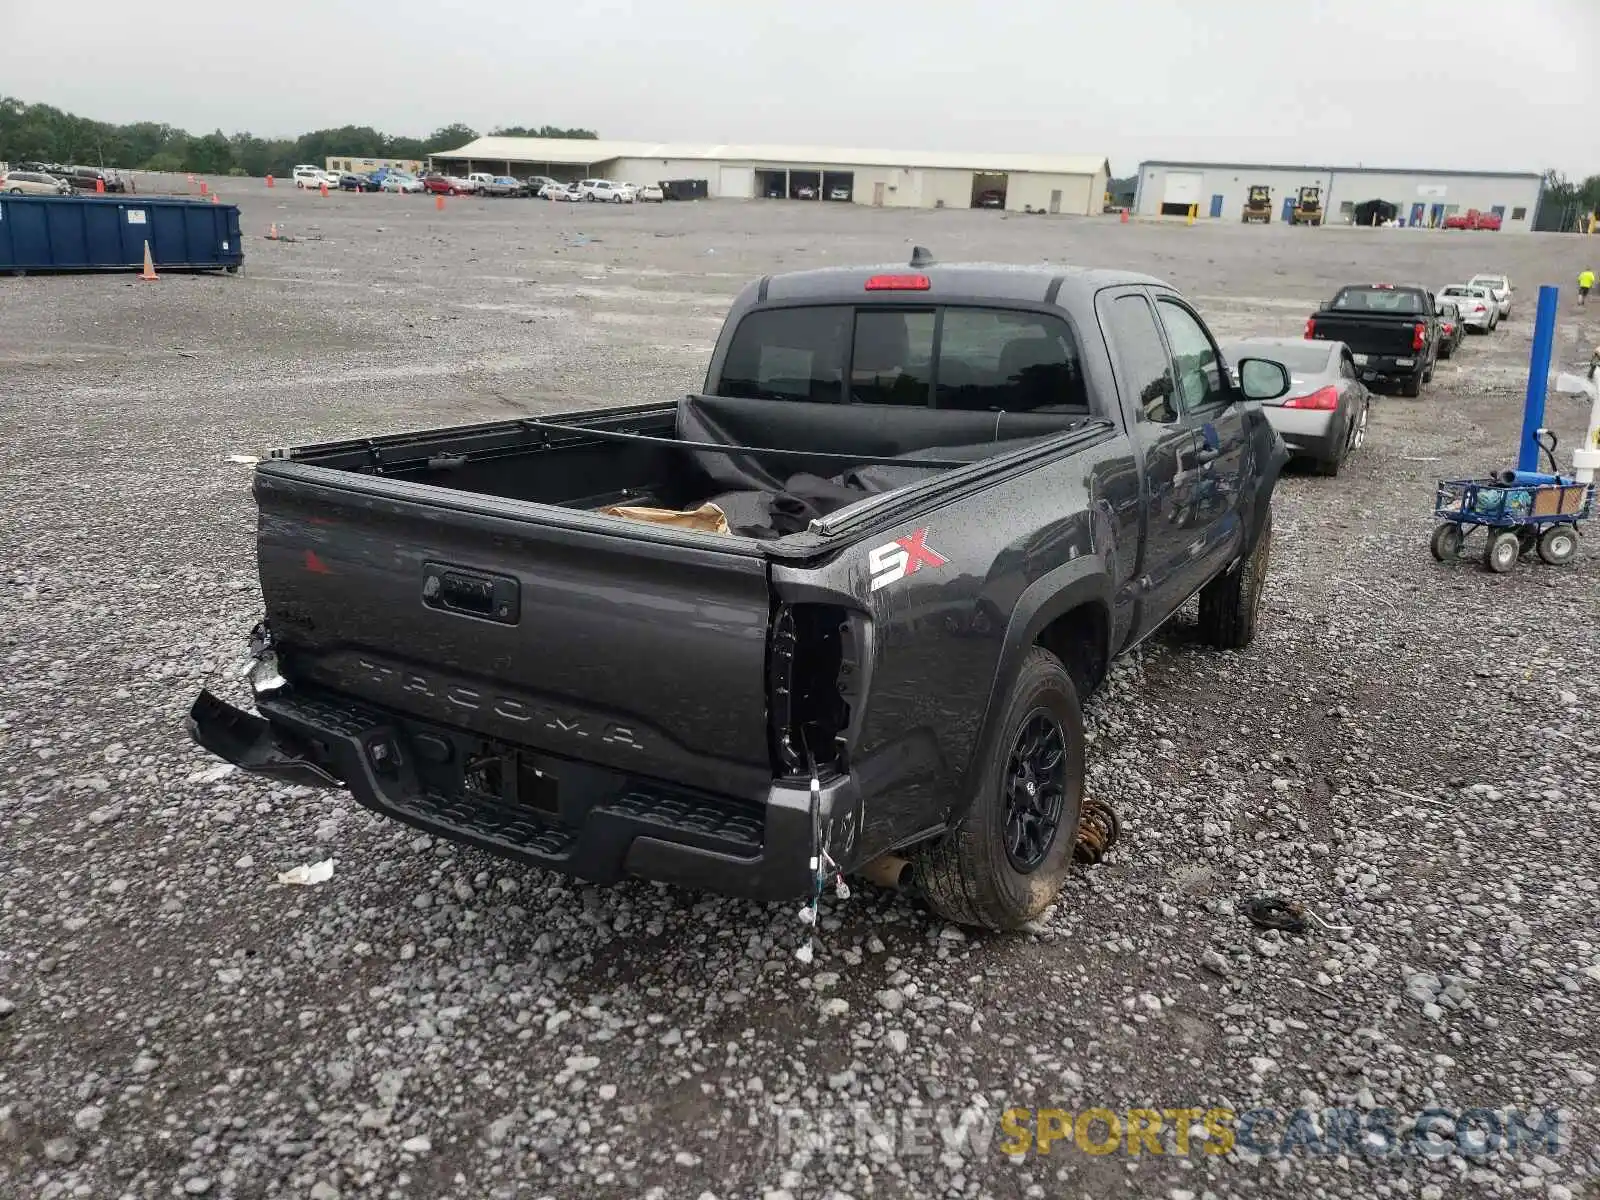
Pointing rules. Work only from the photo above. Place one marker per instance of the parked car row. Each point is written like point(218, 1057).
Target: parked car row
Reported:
point(479, 183)
point(1366, 334)
point(59, 180)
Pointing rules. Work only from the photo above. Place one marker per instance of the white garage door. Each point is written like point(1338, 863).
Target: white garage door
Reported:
point(1183, 189)
point(738, 183)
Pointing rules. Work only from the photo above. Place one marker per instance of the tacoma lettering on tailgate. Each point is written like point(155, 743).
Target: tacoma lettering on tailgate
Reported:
point(570, 725)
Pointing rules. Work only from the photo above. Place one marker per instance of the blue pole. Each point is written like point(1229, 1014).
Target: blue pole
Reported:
point(1544, 338)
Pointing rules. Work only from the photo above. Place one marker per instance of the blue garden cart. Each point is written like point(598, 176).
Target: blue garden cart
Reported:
point(1520, 510)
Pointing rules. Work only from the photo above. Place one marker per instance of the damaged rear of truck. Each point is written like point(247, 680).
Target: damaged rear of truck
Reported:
point(935, 522)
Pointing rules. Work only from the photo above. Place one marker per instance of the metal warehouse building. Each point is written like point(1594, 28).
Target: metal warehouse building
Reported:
point(883, 178)
point(1421, 197)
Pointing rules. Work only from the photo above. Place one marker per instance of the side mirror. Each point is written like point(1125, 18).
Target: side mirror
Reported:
point(1262, 379)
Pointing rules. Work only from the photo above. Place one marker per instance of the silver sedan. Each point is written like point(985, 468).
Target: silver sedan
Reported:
point(1477, 306)
point(1323, 415)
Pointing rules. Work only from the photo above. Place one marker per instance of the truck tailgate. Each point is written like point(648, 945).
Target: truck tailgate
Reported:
point(1386, 336)
point(639, 655)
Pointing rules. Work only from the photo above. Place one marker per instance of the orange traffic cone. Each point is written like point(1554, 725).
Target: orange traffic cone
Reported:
point(149, 272)
point(438, 202)
point(1124, 216)
point(99, 186)
point(214, 199)
point(269, 180)
point(204, 187)
point(272, 232)
point(324, 189)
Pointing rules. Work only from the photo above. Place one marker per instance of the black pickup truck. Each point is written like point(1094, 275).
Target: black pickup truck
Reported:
point(1393, 331)
point(946, 496)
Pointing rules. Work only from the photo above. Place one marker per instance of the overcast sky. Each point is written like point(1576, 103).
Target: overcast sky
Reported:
point(1475, 84)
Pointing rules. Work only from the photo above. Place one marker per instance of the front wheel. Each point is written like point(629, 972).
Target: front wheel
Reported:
point(1558, 545)
point(1005, 862)
point(1501, 552)
point(1230, 605)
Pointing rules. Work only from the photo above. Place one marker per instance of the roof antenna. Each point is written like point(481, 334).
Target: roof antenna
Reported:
point(921, 256)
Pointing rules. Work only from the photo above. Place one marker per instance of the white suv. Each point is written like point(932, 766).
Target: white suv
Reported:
point(606, 189)
point(313, 177)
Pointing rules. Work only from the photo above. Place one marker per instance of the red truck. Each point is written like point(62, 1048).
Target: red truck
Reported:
point(1473, 219)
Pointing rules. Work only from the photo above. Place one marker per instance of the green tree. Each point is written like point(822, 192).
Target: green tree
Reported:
point(543, 131)
point(450, 137)
point(30, 132)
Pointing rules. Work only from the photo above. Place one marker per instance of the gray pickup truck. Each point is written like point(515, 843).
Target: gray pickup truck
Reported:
point(908, 523)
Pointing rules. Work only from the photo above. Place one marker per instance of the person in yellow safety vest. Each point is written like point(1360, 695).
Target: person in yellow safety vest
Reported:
point(1585, 282)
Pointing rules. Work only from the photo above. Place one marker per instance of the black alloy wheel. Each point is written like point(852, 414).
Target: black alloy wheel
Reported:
point(1035, 786)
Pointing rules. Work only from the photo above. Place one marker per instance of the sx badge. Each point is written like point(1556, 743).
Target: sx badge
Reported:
point(894, 560)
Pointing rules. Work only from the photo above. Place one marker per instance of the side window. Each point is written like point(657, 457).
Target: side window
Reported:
point(892, 362)
point(788, 354)
point(1142, 359)
point(994, 361)
point(1347, 368)
point(1201, 383)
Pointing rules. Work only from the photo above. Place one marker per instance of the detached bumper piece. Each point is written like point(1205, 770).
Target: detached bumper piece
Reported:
point(589, 822)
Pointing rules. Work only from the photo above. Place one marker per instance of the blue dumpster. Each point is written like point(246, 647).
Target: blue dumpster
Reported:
point(108, 233)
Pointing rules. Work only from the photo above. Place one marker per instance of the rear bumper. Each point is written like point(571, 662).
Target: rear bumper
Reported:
point(603, 826)
point(1384, 366)
point(1308, 433)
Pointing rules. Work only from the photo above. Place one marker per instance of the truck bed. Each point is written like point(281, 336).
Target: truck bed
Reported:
point(784, 463)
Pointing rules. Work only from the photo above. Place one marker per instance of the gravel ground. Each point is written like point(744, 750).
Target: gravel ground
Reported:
point(1408, 750)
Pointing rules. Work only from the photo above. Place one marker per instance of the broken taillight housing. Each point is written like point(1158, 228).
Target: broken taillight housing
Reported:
point(813, 664)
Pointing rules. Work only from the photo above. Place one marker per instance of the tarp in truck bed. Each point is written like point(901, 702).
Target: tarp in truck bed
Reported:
point(769, 497)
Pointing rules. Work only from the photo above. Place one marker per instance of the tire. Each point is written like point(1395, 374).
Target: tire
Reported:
point(1501, 552)
point(971, 875)
point(1427, 375)
point(16, 191)
point(1230, 605)
point(1412, 387)
point(1446, 350)
point(1558, 545)
point(1447, 540)
point(1328, 468)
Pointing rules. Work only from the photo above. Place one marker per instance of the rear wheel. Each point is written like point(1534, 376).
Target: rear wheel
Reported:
point(1003, 865)
point(1558, 545)
point(1445, 545)
point(1412, 387)
point(1230, 604)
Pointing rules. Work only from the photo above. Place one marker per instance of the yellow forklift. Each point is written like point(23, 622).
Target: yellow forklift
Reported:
point(1259, 206)
point(1307, 208)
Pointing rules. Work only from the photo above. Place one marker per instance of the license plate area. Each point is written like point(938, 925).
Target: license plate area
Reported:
point(512, 777)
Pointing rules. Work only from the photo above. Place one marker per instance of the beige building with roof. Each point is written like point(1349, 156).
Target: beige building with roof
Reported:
point(1051, 183)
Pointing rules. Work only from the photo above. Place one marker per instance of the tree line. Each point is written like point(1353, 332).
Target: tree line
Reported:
point(1565, 202)
point(41, 133)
